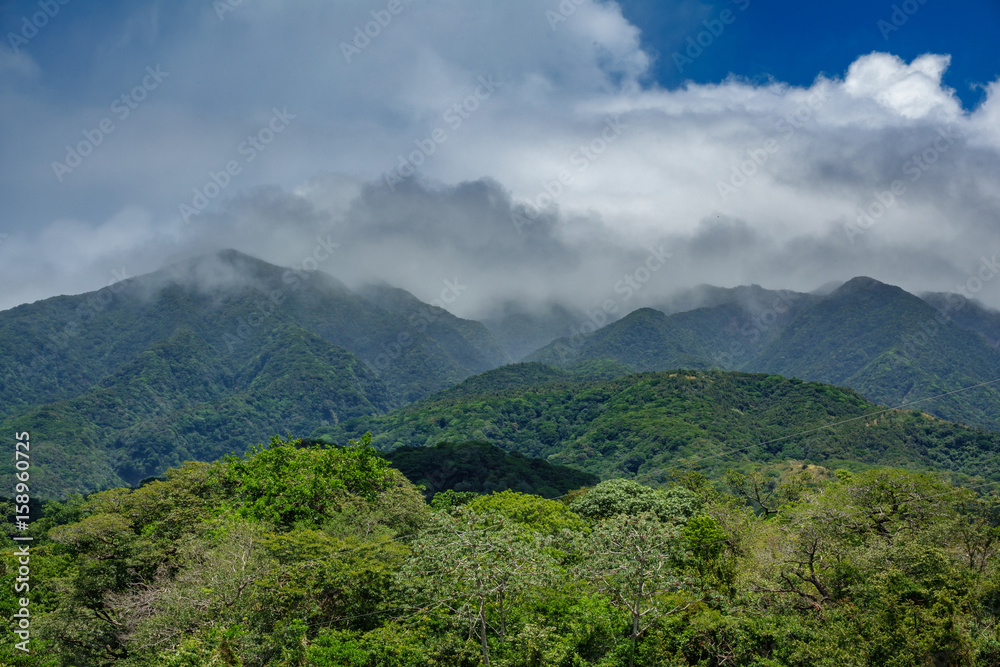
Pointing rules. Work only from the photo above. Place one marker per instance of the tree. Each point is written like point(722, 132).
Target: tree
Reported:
point(977, 529)
point(638, 560)
point(766, 493)
point(477, 566)
point(853, 521)
point(535, 513)
point(622, 496)
point(285, 483)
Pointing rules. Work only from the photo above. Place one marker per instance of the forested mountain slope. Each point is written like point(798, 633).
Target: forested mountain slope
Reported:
point(648, 425)
point(891, 346)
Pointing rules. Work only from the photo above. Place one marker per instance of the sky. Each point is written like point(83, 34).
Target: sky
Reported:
point(527, 151)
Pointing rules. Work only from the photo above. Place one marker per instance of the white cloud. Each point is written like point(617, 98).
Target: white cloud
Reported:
point(913, 91)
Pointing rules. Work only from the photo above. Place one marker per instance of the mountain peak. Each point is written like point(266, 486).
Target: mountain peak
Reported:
point(648, 313)
point(222, 271)
point(230, 271)
point(233, 255)
point(865, 284)
point(862, 281)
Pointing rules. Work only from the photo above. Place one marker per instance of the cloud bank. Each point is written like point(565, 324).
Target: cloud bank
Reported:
point(442, 140)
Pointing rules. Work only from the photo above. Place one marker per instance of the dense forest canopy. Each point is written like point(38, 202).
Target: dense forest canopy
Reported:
point(302, 553)
point(643, 425)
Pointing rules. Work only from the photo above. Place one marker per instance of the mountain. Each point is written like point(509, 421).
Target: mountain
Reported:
point(209, 356)
point(838, 337)
point(468, 341)
point(702, 327)
point(214, 354)
point(890, 345)
point(753, 299)
point(644, 339)
point(521, 332)
point(649, 424)
point(55, 348)
point(968, 314)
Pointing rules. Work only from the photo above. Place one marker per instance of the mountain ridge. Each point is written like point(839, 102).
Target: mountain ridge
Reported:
point(892, 346)
point(210, 355)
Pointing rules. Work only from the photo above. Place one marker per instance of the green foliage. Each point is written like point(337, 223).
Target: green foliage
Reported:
point(479, 567)
point(637, 560)
point(207, 649)
point(707, 541)
point(346, 565)
point(444, 501)
point(483, 468)
point(621, 496)
point(651, 425)
point(391, 645)
point(285, 484)
point(253, 548)
point(547, 517)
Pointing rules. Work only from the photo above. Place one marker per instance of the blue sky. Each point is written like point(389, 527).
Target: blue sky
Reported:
point(536, 150)
point(795, 41)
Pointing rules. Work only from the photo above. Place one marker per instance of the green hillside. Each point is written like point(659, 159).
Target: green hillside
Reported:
point(183, 400)
point(968, 314)
point(469, 342)
point(889, 345)
point(648, 425)
point(59, 348)
point(198, 359)
point(646, 339)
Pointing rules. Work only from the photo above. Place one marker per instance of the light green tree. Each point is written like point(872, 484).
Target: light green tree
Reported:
point(639, 562)
point(477, 567)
